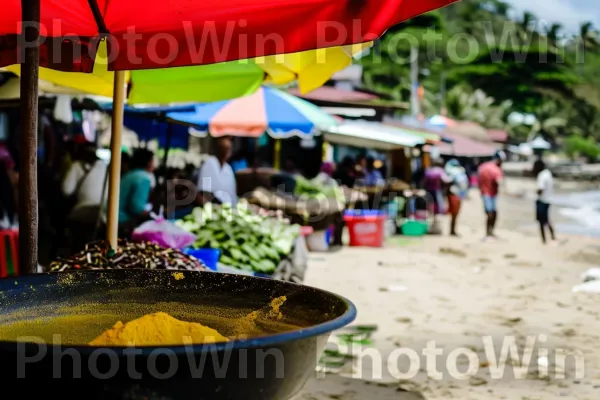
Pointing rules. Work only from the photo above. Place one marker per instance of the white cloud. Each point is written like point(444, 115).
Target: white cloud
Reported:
point(570, 13)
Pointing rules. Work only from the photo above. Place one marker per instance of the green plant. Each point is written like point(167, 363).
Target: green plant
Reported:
point(466, 104)
point(577, 146)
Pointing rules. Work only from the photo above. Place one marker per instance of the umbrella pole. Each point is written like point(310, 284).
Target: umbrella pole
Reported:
point(277, 154)
point(114, 182)
point(28, 190)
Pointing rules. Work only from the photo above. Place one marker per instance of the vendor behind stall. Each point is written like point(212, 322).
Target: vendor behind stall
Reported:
point(82, 189)
point(136, 186)
point(345, 172)
point(372, 175)
point(325, 178)
point(216, 180)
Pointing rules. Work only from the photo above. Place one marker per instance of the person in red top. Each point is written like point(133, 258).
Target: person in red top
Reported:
point(490, 175)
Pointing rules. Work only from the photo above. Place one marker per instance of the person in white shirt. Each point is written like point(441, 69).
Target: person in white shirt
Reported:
point(84, 181)
point(83, 185)
point(545, 187)
point(216, 179)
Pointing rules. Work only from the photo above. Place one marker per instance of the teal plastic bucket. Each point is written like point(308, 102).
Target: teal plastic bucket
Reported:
point(414, 228)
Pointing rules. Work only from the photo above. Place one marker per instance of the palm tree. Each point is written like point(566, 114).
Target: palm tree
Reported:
point(587, 40)
point(526, 23)
point(502, 8)
point(467, 105)
point(588, 37)
point(554, 33)
point(470, 13)
point(550, 120)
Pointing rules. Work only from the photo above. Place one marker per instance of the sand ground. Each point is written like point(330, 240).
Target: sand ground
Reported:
point(456, 291)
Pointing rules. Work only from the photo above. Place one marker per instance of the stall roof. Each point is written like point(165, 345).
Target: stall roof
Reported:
point(428, 135)
point(497, 135)
point(465, 147)
point(373, 135)
point(332, 96)
point(328, 93)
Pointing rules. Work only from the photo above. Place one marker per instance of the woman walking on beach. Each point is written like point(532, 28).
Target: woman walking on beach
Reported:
point(545, 187)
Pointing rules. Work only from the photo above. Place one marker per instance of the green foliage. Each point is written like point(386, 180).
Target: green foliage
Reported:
point(534, 67)
point(466, 104)
point(577, 146)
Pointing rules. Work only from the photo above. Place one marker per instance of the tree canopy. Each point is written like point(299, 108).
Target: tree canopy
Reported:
point(495, 60)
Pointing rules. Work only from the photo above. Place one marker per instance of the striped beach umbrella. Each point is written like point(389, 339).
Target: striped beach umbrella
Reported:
point(267, 110)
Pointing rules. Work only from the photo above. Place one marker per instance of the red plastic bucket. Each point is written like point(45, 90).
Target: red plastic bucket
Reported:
point(366, 227)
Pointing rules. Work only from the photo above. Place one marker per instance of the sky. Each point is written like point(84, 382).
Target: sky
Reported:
point(570, 13)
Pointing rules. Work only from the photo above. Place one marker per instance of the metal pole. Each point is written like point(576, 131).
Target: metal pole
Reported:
point(443, 110)
point(277, 154)
point(28, 190)
point(114, 183)
point(415, 105)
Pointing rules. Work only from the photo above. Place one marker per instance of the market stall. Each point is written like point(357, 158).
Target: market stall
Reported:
point(280, 116)
point(397, 143)
point(290, 326)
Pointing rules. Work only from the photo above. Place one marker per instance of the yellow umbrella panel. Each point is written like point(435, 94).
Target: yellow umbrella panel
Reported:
point(208, 83)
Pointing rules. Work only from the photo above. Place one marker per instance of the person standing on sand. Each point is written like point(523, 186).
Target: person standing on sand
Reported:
point(545, 187)
point(435, 181)
point(457, 191)
point(490, 176)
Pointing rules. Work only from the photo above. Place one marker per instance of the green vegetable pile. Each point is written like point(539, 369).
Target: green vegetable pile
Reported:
point(247, 241)
point(313, 190)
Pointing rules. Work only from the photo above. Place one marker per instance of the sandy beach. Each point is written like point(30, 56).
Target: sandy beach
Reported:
point(458, 291)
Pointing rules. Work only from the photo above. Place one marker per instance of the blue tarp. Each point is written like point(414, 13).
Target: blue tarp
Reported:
point(148, 123)
point(151, 129)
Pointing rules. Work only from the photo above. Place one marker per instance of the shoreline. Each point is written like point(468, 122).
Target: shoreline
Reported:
point(564, 211)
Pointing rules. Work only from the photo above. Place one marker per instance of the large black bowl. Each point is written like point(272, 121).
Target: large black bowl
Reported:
point(273, 365)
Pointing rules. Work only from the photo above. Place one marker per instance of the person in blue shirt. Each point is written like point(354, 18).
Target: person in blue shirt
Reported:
point(372, 175)
point(136, 185)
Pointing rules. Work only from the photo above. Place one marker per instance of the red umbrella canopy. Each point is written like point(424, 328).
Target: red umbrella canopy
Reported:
point(146, 34)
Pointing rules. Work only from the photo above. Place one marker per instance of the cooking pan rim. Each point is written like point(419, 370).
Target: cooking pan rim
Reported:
point(274, 340)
